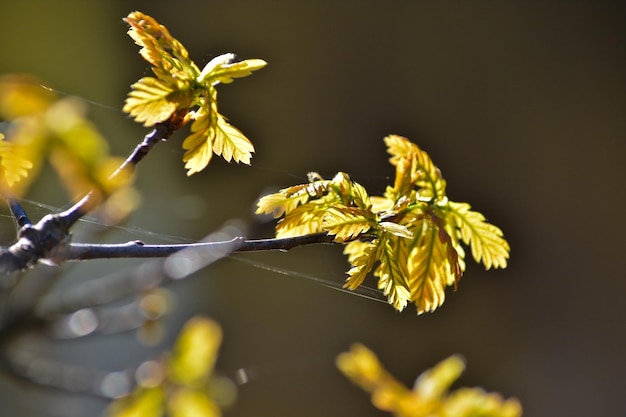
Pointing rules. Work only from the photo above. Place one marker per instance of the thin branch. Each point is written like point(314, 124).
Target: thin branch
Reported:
point(160, 133)
point(49, 237)
point(137, 249)
point(18, 212)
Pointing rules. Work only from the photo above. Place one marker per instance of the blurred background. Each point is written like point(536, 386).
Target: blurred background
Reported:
point(521, 105)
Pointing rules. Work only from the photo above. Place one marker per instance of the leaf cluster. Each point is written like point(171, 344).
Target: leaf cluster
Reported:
point(180, 92)
point(43, 127)
point(180, 384)
point(411, 237)
point(430, 396)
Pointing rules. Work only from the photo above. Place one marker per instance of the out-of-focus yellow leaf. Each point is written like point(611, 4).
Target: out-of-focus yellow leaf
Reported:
point(186, 402)
point(13, 166)
point(142, 403)
point(195, 352)
point(435, 382)
point(23, 95)
point(473, 402)
point(42, 125)
point(364, 369)
point(429, 397)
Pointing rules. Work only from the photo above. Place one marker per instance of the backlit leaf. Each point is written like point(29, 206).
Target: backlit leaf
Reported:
point(149, 103)
point(303, 220)
point(287, 199)
point(392, 272)
point(486, 241)
point(231, 143)
point(424, 174)
point(363, 257)
point(221, 69)
point(347, 222)
point(428, 269)
point(159, 48)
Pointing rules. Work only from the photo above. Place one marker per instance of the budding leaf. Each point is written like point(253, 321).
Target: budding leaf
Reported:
point(180, 93)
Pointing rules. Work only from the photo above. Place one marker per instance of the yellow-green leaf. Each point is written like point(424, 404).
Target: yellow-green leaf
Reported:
point(486, 241)
point(347, 223)
point(428, 269)
point(221, 69)
point(392, 271)
point(280, 203)
point(423, 172)
point(231, 143)
point(363, 257)
point(303, 220)
point(149, 101)
point(159, 48)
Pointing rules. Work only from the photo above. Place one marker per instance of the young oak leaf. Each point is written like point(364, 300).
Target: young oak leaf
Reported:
point(287, 199)
point(150, 101)
point(363, 257)
point(392, 271)
point(347, 223)
point(423, 173)
point(305, 219)
point(221, 69)
point(486, 241)
point(158, 46)
point(428, 269)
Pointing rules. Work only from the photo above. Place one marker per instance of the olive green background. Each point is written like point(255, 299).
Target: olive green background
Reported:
point(522, 106)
